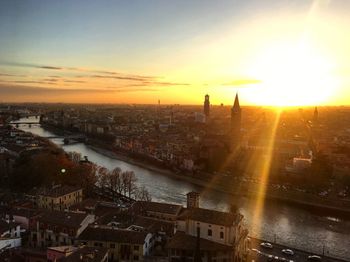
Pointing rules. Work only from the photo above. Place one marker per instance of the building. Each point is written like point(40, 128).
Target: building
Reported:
point(206, 106)
point(55, 228)
point(192, 200)
point(59, 197)
point(10, 235)
point(222, 235)
point(199, 117)
point(82, 253)
point(160, 211)
point(123, 244)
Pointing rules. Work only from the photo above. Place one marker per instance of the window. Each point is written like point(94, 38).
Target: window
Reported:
point(136, 257)
point(137, 247)
point(222, 235)
point(210, 233)
point(112, 245)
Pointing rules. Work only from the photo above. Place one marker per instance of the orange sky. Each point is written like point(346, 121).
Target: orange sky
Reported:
point(286, 53)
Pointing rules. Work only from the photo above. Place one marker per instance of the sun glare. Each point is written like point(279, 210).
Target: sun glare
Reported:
point(292, 75)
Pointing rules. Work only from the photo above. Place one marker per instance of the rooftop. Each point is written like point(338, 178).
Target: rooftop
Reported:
point(165, 208)
point(67, 219)
point(187, 242)
point(57, 191)
point(210, 216)
point(98, 233)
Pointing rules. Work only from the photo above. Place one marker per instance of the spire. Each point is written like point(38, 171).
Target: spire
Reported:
point(236, 105)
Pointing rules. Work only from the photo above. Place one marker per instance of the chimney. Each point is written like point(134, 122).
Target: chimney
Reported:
point(192, 200)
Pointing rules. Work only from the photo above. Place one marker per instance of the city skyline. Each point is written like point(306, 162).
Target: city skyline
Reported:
point(285, 53)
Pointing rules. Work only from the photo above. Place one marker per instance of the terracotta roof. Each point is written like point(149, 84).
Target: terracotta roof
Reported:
point(86, 204)
point(97, 233)
point(58, 191)
point(24, 212)
point(165, 208)
point(67, 219)
point(210, 216)
point(187, 242)
point(87, 254)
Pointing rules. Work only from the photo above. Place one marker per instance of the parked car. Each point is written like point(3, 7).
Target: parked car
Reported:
point(314, 258)
point(266, 245)
point(288, 252)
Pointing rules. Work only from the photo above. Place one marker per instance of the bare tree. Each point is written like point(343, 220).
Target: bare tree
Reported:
point(129, 183)
point(142, 194)
point(114, 180)
point(74, 156)
point(102, 176)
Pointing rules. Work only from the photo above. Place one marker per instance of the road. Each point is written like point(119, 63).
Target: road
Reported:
point(276, 251)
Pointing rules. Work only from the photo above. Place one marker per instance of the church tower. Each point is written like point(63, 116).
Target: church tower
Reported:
point(315, 120)
point(206, 105)
point(235, 129)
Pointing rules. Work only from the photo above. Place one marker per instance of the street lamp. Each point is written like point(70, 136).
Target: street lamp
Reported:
point(63, 171)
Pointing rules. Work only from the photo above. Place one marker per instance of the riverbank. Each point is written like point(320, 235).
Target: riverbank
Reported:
point(323, 206)
point(297, 199)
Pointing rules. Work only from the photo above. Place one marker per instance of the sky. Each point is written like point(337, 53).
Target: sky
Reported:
point(279, 52)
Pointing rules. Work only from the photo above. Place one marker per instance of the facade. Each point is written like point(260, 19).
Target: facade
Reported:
point(123, 244)
point(72, 253)
point(10, 235)
point(54, 228)
point(222, 235)
point(59, 197)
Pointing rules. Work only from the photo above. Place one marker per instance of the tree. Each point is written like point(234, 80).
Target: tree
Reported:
point(128, 183)
point(114, 181)
point(142, 194)
point(74, 156)
point(102, 176)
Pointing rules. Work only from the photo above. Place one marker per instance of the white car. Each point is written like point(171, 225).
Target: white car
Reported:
point(314, 258)
point(288, 252)
point(266, 245)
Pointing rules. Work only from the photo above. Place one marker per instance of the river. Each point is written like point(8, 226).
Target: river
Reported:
point(292, 226)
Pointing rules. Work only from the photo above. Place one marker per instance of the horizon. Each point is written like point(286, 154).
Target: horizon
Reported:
point(285, 53)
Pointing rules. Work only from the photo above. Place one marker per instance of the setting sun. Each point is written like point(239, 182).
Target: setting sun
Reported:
point(292, 75)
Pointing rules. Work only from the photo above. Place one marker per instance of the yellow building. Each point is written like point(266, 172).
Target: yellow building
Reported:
point(59, 197)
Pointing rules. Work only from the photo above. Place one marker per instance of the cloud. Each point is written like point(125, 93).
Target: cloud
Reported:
point(166, 83)
point(22, 90)
point(135, 79)
point(74, 81)
point(242, 82)
point(77, 69)
point(126, 77)
point(50, 67)
point(12, 75)
point(2, 74)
